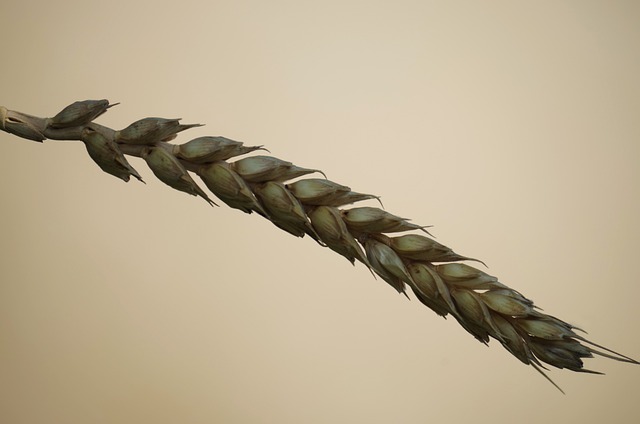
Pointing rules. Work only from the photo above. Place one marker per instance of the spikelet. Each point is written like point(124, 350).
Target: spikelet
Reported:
point(387, 264)
point(513, 341)
point(474, 315)
point(212, 149)
point(463, 275)
point(148, 131)
point(80, 113)
point(508, 302)
point(170, 171)
point(566, 353)
point(284, 210)
point(374, 220)
point(430, 289)
point(330, 227)
point(260, 169)
point(106, 154)
point(322, 192)
point(421, 248)
point(20, 125)
point(227, 185)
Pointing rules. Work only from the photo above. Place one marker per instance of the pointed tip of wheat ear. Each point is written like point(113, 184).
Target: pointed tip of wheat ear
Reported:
point(608, 353)
point(589, 351)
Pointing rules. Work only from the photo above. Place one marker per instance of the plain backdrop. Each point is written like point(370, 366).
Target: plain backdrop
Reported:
point(512, 127)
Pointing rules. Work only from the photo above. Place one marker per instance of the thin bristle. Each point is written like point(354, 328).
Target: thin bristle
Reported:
point(539, 369)
point(612, 354)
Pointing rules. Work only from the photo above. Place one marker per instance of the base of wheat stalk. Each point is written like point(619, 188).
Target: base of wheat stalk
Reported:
point(271, 188)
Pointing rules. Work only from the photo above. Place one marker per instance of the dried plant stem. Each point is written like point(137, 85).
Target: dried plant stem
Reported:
point(483, 306)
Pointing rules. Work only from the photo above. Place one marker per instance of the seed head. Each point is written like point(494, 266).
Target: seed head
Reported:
point(482, 305)
point(170, 171)
point(106, 154)
point(80, 113)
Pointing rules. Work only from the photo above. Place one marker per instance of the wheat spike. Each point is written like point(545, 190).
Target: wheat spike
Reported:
point(483, 306)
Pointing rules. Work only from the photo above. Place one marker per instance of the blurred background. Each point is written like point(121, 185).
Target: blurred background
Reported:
point(511, 127)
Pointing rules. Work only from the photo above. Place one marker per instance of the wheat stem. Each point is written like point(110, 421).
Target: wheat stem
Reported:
point(483, 306)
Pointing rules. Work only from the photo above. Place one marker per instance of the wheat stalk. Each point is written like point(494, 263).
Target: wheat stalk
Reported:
point(435, 274)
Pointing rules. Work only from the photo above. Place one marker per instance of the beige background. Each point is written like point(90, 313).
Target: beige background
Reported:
point(513, 128)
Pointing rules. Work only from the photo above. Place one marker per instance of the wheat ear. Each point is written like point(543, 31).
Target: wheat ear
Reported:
point(483, 306)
